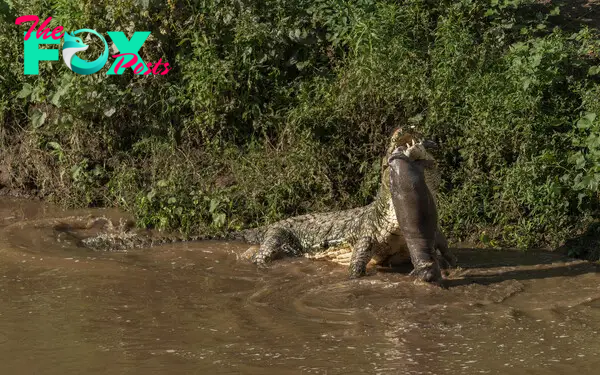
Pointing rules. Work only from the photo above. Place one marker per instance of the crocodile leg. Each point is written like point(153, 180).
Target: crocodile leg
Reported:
point(278, 242)
point(361, 256)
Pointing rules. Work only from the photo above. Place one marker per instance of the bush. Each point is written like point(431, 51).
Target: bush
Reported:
point(279, 107)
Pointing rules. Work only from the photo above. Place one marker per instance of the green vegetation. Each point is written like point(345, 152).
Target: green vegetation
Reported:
point(280, 107)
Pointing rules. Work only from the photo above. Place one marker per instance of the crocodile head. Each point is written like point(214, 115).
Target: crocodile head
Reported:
point(414, 145)
point(413, 142)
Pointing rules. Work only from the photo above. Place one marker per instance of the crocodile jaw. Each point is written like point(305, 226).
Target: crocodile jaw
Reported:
point(417, 151)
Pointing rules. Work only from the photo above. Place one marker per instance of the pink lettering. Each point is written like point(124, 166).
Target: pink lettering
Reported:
point(43, 29)
point(120, 62)
point(147, 72)
point(57, 33)
point(156, 66)
point(138, 69)
point(43, 32)
point(23, 19)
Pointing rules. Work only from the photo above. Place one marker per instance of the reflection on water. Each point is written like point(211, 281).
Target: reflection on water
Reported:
point(193, 308)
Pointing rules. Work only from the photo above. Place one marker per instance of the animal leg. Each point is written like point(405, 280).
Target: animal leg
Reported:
point(361, 256)
point(278, 242)
point(425, 263)
point(447, 259)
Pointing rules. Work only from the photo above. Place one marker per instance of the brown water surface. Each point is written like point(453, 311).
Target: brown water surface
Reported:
point(194, 308)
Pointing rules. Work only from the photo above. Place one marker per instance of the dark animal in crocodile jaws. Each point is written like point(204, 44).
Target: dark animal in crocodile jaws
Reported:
point(416, 212)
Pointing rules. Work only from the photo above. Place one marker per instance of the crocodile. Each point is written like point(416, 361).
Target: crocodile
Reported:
point(355, 236)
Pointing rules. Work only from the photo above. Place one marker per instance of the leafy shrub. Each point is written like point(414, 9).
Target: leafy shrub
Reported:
point(280, 107)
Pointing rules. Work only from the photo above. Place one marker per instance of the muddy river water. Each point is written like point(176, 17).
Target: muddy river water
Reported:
point(194, 308)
